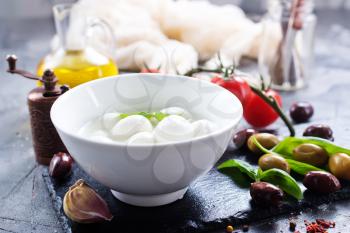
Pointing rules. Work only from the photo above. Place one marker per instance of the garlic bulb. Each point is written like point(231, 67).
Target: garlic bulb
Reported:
point(82, 204)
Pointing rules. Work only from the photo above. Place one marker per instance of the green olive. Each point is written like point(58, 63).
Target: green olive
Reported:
point(269, 161)
point(339, 165)
point(267, 140)
point(311, 154)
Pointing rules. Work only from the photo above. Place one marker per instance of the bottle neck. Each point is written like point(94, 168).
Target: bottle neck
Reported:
point(71, 28)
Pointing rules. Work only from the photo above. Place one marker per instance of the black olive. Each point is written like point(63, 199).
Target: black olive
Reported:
point(60, 165)
point(241, 137)
point(321, 182)
point(301, 112)
point(266, 194)
point(319, 130)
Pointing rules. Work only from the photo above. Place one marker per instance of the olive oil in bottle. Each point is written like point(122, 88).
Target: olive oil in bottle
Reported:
point(74, 67)
point(74, 61)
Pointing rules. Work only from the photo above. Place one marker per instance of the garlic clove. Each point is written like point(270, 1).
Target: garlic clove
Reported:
point(82, 204)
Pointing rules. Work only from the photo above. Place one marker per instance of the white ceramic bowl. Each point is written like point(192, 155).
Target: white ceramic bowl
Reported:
point(146, 175)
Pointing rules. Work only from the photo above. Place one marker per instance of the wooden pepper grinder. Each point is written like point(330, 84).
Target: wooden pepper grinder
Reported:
point(46, 140)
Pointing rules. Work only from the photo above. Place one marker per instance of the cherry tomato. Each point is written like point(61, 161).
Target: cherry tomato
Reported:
point(150, 70)
point(235, 84)
point(257, 112)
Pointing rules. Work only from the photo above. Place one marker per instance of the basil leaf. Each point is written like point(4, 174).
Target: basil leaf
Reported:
point(159, 115)
point(244, 167)
point(286, 146)
point(301, 168)
point(145, 114)
point(259, 174)
point(123, 115)
point(283, 180)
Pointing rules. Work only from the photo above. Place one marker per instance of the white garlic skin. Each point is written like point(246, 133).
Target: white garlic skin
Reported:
point(129, 126)
point(173, 128)
point(203, 127)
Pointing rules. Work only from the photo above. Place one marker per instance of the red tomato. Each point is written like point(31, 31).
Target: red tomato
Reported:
point(150, 70)
point(236, 85)
point(257, 112)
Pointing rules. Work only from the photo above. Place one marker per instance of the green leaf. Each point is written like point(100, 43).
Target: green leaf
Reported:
point(145, 114)
point(157, 115)
point(244, 167)
point(301, 168)
point(160, 116)
point(283, 180)
point(259, 174)
point(286, 146)
point(240, 179)
point(123, 115)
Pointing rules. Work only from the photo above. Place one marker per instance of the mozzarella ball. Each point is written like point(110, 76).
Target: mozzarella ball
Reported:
point(108, 120)
point(173, 128)
point(203, 127)
point(100, 136)
point(90, 128)
point(177, 111)
point(142, 138)
point(131, 125)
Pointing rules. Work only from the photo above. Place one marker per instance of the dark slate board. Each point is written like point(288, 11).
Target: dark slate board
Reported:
point(211, 203)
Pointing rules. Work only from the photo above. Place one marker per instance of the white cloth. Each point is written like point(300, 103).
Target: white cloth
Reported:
point(172, 34)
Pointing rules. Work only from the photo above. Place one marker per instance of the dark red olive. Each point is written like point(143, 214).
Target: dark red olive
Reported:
point(301, 112)
point(319, 130)
point(321, 182)
point(266, 194)
point(241, 137)
point(60, 165)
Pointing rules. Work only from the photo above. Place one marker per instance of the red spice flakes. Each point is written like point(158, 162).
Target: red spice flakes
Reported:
point(320, 226)
point(325, 223)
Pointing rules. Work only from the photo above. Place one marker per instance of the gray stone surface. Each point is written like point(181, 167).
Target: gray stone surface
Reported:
point(25, 205)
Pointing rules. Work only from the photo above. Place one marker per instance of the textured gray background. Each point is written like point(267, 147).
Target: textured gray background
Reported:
point(25, 205)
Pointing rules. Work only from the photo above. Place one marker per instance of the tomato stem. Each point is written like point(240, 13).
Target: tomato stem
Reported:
point(263, 88)
point(273, 103)
point(268, 99)
point(202, 69)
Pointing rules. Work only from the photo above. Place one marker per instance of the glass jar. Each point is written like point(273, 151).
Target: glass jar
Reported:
point(286, 51)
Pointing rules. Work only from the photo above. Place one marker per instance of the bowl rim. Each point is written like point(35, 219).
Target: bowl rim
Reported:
point(162, 144)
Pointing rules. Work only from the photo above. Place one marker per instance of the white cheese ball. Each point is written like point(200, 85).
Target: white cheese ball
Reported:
point(127, 127)
point(203, 127)
point(142, 138)
point(177, 111)
point(173, 128)
point(108, 120)
point(100, 136)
